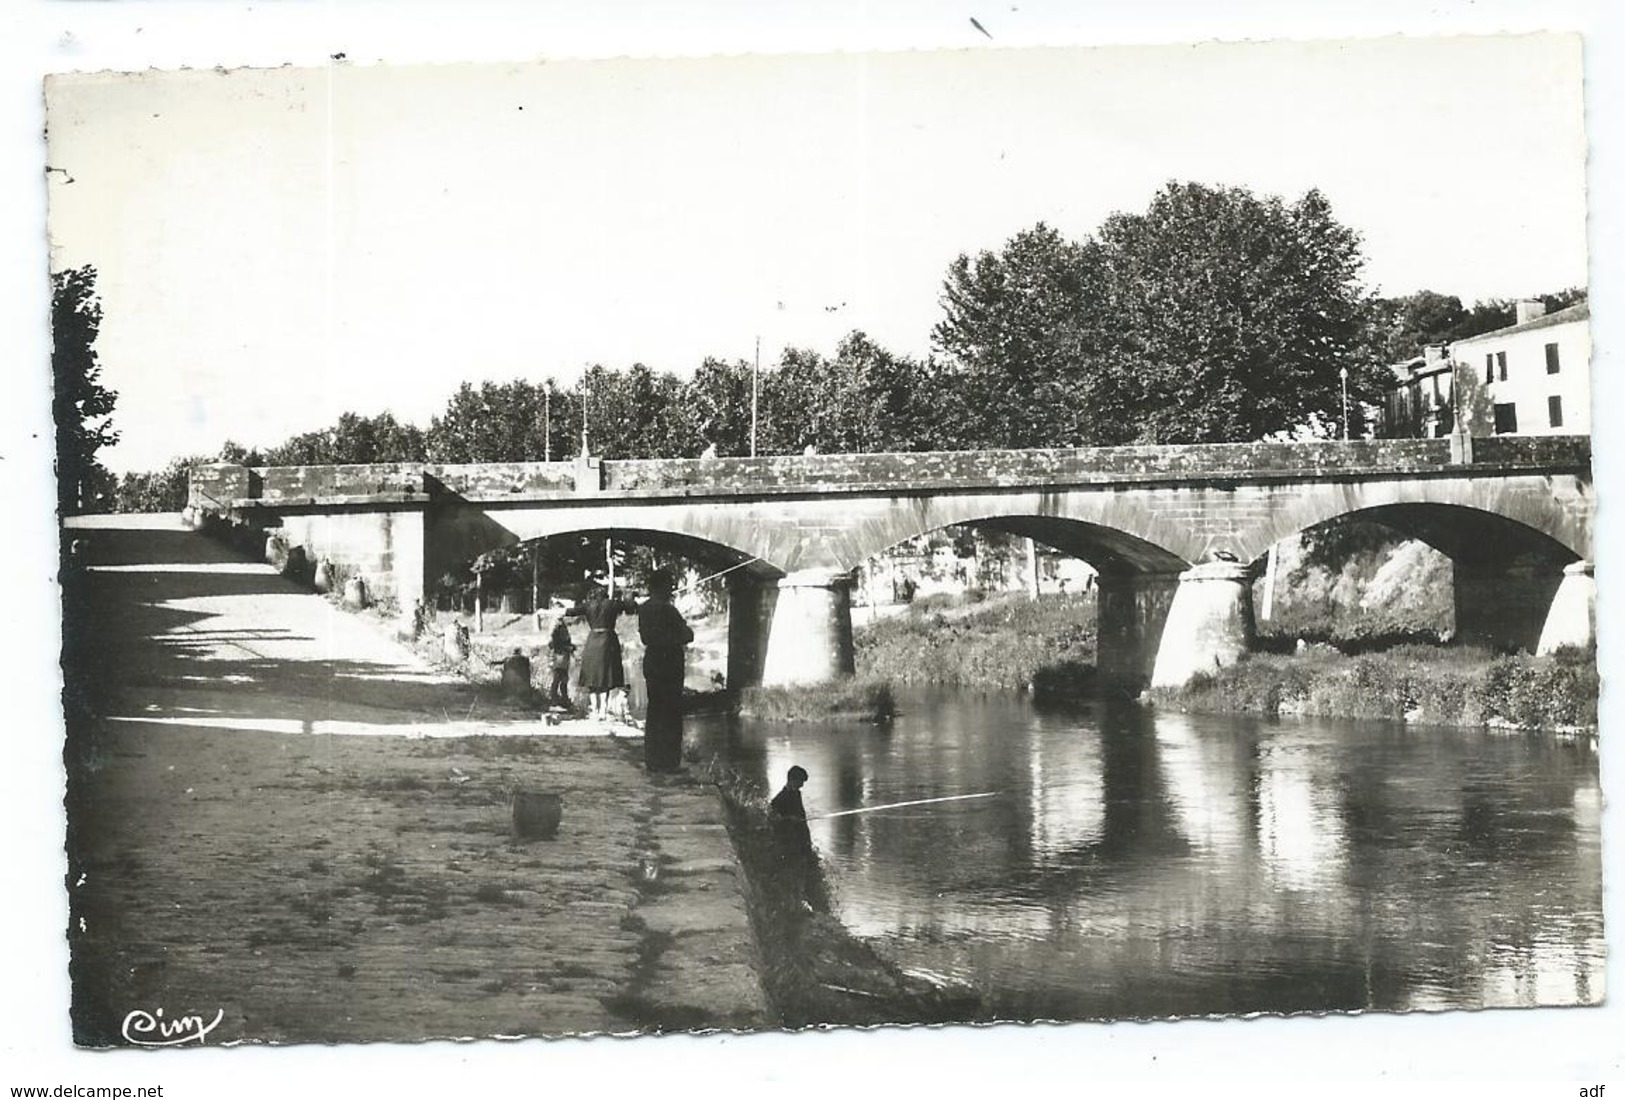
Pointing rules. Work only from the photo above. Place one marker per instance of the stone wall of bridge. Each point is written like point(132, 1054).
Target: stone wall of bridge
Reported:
point(1513, 519)
point(932, 470)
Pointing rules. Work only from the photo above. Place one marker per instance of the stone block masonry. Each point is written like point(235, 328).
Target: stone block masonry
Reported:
point(1518, 514)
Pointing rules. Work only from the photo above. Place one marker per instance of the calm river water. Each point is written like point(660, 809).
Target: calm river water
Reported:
point(1133, 864)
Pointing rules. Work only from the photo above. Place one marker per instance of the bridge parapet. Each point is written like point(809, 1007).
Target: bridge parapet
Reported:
point(1210, 464)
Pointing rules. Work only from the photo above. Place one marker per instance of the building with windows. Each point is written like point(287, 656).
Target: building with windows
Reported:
point(1531, 378)
point(1420, 403)
point(1534, 376)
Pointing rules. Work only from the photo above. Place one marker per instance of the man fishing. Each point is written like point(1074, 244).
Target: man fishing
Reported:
point(787, 804)
point(792, 841)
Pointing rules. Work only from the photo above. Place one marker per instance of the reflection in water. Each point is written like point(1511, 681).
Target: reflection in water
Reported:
point(1140, 865)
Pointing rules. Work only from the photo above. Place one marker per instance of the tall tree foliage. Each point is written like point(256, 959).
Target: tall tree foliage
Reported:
point(1236, 314)
point(494, 423)
point(354, 439)
point(1018, 326)
point(81, 406)
point(1407, 324)
point(1215, 316)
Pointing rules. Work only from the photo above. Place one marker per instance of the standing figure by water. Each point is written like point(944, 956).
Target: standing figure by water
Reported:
point(559, 652)
point(792, 843)
point(602, 670)
point(664, 634)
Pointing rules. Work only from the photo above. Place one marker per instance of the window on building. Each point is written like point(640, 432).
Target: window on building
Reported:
point(1489, 368)
point(1554, 411)
point(1506, 418)
point(1501, 364)
point(1551, 359)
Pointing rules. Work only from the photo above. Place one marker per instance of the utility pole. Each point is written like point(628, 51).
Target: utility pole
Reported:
point(755, 374)
point(547, 422)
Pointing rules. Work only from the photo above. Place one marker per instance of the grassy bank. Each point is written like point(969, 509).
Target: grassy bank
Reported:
point(1014, 643)
point(813, 970)
point(1440, 685)
point(864, 699)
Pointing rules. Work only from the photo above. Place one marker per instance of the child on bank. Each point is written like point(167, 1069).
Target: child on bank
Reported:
point(559, 650)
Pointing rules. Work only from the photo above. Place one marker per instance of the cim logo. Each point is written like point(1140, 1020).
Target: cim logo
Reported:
point(150, 1029)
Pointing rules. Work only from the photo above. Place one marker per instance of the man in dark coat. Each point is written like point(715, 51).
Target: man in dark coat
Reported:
point(665, 635)
point(787, 804)
point(792, 842)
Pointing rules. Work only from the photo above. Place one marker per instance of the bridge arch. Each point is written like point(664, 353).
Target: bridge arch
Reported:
point(1111, 531)
point(1546, 515)
point(1507, 574)
point(460, 535)
point(1107, 549)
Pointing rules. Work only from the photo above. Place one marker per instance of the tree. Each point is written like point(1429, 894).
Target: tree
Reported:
point(717, 409)
point(1408, 324)
point(81, 406)
point(791, 402)
point(355, 439)
point(1215, 316)
point(636, 413)
point(495, 423)
point(1234, 315)
point(1017, 328)
point(161, 491)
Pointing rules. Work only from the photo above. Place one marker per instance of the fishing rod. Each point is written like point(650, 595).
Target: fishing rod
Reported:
point(720, 573)
point(899, 805)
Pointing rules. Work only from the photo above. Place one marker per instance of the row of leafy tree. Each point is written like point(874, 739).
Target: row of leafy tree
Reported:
point(1215, 316)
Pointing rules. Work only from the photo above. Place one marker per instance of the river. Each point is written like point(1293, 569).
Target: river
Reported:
point(1132, 864)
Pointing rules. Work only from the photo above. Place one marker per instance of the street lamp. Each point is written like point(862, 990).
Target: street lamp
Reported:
point(1344, 373)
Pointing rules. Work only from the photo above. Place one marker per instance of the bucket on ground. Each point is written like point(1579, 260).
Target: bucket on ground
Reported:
point(536, 814)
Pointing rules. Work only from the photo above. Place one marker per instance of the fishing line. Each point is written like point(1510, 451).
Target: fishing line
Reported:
point(899, 805)
point(714, 576)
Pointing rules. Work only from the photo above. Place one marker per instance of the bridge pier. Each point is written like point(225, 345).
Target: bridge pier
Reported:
point(1131, 609)
point(1505, 606)
point(1572, 619)
point(1209, 624)
point(797, 631)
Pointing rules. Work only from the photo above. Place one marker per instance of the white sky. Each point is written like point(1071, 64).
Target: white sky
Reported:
point(279, 246)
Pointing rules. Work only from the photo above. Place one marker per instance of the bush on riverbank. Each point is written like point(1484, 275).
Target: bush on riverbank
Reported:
point(1447, 686)
point(863, 699)
point(1009, 643)
point(1351, 632)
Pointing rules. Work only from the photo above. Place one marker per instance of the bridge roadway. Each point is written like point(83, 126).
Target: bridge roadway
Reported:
point(1176, 532)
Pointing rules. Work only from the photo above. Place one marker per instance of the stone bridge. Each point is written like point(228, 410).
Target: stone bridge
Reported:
point(1176, 532)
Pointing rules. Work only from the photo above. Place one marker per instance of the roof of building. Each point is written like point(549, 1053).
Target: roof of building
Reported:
point(1581, 311)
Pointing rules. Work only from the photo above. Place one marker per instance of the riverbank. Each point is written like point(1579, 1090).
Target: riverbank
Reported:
point(815, 972)
point(281, 816)
point(342, 889)
point(862, 699)
point(1007, 642)
point(1438, 685)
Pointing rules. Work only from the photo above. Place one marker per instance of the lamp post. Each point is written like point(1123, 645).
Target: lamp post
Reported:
point(755, 374)
point(1344, 373)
